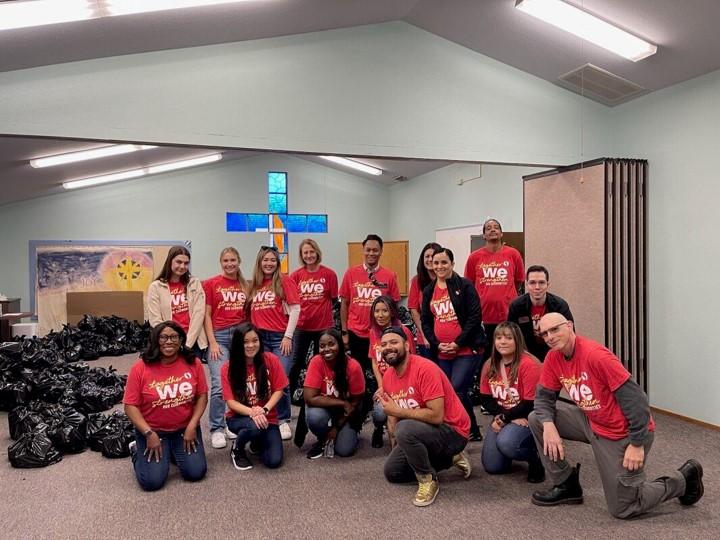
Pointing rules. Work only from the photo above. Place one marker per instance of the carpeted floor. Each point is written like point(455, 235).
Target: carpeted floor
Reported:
point(88, 496)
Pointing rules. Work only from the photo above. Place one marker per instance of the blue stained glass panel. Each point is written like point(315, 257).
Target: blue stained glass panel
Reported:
point(235, 222)
point(277, 182)
point(297, 223)
point(317, 223)
point(278, 203)
point(257, 221)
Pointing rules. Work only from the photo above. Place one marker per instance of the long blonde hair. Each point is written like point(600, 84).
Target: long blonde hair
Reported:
point(520, 350)
point(259, 275)
point(241, 280)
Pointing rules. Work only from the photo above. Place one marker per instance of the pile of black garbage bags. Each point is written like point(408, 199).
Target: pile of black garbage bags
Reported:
point(56, 401)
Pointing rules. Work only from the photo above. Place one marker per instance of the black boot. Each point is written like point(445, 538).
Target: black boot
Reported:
point(694, 489)
point(377, 438)
point(475, 435)
point(569, 492)
point(536, 471)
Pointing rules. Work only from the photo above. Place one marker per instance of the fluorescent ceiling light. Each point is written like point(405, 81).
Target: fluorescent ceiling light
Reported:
point(588, 27)
point(127, 7)
point(354, 165)
point(40, 12)
point(144, 171)
point(25, 13)
point(83, 155)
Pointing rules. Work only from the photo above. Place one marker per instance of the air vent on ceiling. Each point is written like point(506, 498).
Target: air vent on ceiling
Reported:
point(600, 85)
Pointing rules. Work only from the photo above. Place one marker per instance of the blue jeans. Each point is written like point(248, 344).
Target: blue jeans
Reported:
point(271, 452)
point(461, 372)
point(216, 415)
point(512, 443)
point(378, 415)
point(152, 475)
point(271, 341)
point(318, 422)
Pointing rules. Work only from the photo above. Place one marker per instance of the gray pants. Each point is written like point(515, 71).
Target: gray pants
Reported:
point(628, 494)
point(421, 449)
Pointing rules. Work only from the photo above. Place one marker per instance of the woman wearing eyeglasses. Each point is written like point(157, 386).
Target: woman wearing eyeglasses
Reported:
point(507, 389)
point(317, 286)
point(452, 324)
point(225, 295)
point(165, 397)
point(178, 296)
point(275, 310)
point(423, 278)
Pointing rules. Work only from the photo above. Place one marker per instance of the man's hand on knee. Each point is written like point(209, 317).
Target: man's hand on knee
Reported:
point(552, 442)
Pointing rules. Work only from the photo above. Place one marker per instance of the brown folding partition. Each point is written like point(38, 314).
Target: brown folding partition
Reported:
point(587, 224)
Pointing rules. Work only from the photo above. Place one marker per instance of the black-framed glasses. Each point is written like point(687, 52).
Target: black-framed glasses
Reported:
point(175, 338)
point(270, 248)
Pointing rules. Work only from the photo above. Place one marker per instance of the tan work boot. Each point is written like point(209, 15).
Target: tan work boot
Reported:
point(462, 462)
point(427, 490)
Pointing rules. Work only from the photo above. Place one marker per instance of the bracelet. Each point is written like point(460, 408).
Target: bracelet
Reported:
point(148, 433)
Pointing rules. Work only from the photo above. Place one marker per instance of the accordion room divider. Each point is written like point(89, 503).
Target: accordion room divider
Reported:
point(587, 224)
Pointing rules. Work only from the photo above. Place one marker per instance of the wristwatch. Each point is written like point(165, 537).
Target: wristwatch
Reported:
point(148, 432)
point(266, 411)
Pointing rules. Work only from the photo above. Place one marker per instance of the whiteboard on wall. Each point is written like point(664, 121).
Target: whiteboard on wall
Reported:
point(458, 240)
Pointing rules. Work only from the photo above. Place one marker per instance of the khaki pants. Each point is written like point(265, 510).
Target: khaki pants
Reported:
point(627, 493)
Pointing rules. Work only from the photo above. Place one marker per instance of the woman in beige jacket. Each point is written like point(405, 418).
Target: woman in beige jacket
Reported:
point(175, 295)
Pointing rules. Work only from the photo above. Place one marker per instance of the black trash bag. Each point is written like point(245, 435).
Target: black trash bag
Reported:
point(474, 392)
point(12, 349)
point(100, 426)
point(406, 319)
point(20, 393)
point(33, 450)
point(117, 445)
point(93, 398)
point(297, 395)
point(88, 324)
point(68, 431)
point(22, 420)
point(73, 353)
point(49, 388)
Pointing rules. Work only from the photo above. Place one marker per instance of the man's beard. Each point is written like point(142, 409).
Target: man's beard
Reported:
point(399, 358)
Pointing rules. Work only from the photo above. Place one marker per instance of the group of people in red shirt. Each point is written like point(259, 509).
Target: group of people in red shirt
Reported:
point(256, 330)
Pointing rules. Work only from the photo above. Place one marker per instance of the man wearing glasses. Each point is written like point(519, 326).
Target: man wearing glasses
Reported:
point(527, 310)
point(361, 284)
point(612, 415)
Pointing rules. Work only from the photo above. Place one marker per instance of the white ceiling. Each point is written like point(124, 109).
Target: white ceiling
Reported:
point(684, 30)
point(19, 181)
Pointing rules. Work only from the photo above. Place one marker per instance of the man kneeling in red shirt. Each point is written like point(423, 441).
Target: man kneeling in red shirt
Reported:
point(612, 415)
point(429, 422)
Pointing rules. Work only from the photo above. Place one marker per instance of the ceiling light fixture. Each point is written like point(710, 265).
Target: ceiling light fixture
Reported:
point(588, 27)
point(144, 171)
point(26, 13)
point(84, 155)
point(354, 165)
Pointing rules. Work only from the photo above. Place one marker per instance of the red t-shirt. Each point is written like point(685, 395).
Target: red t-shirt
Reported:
point(446, 326)
point(226, 299)
point(276, 377)
point(424, 381)
point(321, 376)
point(179, 304)
point(590, 377)
point(266, 310)
point(521, 389)
point(316, 290)
point(376, 353)
point(165, 394)
point(495, 276)
point(536, 313)
point(414, 299)
point(359, 291)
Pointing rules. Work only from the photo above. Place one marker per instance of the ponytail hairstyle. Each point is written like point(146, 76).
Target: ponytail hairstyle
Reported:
point(241, 280)
point(237, 366)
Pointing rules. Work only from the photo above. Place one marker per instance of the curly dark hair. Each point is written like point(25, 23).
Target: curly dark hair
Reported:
point(152, 355)
point(340, 368)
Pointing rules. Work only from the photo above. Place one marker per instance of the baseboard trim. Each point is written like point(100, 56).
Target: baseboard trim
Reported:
point(686, 418)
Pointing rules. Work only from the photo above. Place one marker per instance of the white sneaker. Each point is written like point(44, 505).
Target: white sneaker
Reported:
point(217, 439)
point(230, 435)
point(285, 432)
